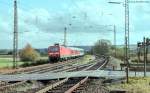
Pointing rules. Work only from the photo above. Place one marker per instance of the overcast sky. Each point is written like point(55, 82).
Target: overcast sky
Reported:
point(42, 22)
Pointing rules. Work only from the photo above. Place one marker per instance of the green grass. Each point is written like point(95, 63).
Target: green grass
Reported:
point(44, 58)
point(135, 85)
point(5, 56)
point(113, 62)
point(135, 59)
point(7, 62)
point(86, 59)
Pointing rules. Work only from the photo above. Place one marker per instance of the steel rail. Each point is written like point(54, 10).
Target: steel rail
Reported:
point(52, 86)
point(12, 86)
point(77, 85)
point(55, 66)
point(70, 90)
point(28, 69)
point(89, 67)
point(3, 83)
point(77, 67)
point(84, 80)
point(4, 89)
point(49, 87)
point(98, 63)
point(57, 83)
point(105, 63)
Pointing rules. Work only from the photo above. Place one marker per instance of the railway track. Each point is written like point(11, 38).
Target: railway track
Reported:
point(36, 69)
point(39, 69)
point(70, 85)
point(12, 87)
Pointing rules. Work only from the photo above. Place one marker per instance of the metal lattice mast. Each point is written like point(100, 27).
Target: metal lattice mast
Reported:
point(15, 39)
point(127, 48)
point(115, 39)
point(65, 36)
point(127, 31)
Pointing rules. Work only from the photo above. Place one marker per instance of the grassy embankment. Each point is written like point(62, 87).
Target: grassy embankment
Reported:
point(7, 61)
point(135, 85)
point(113, 62)
point(135, 58)
point(86, 59)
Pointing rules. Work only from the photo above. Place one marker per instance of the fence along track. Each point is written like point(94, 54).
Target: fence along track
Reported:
point(78, 84)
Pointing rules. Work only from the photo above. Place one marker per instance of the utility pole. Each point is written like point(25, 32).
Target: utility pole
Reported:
point(15, 39)
point(139, 45)
point(126, 60)
point(126, 3)
point(127, 46)
point(144, 56)
point(115, 39)
point(65, 36)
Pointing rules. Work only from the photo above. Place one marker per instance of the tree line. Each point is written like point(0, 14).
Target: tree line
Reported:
point(104, 47)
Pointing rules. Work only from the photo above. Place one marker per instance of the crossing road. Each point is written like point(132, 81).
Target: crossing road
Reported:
point(49, 76)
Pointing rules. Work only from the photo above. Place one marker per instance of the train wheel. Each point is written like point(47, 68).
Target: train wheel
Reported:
point(50, 60)
point(61, 59)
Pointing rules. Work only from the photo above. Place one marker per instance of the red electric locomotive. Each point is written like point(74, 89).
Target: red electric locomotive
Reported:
point(58, 52)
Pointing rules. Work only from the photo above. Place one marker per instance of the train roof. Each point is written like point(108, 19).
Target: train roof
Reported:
point(75, 48)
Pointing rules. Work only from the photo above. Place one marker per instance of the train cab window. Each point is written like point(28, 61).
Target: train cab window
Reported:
point(53, 49)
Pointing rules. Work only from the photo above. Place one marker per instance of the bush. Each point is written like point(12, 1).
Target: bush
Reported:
point(29, 54)
point(102, 47)
point(38, 62)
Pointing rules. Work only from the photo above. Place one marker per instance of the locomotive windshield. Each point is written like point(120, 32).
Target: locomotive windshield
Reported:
point(53, 49)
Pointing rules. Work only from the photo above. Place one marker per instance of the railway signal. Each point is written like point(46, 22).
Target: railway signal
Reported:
point(147, 41)
point(144, 45)
point(139, 44)
point(127, 41)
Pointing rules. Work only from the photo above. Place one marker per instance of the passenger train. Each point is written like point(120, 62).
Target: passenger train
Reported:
point(58, 52)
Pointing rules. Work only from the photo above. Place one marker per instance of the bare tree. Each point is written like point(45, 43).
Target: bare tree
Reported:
point(102, 47)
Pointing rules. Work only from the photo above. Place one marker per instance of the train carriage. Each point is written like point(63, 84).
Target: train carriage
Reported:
point(58, 52)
